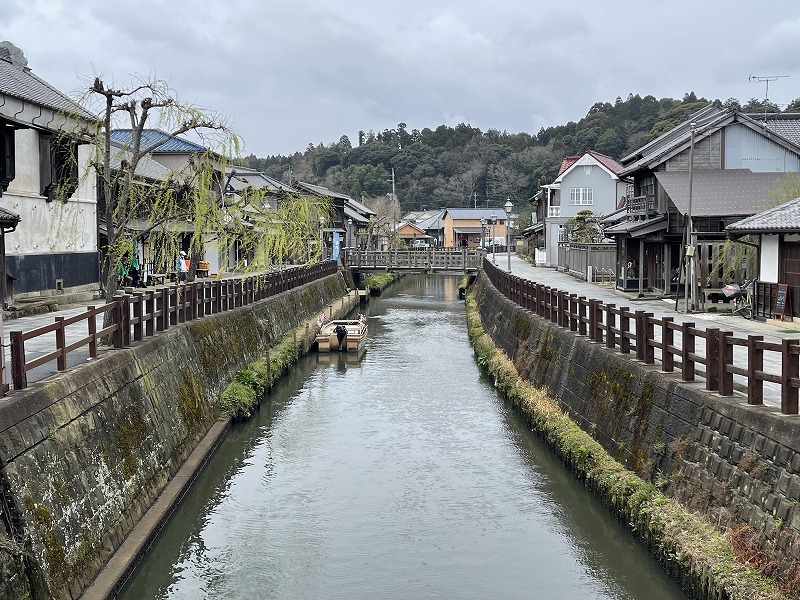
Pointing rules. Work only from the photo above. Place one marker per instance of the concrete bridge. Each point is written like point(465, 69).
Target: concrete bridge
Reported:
point(423, 260)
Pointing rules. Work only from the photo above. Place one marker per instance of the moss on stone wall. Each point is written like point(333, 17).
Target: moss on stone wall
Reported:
point(689, 547)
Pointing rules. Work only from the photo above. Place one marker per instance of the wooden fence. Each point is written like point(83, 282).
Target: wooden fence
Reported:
point(149, 311)
point(639, 333)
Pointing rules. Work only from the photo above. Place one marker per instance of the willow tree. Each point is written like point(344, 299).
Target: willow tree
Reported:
point(196, 192)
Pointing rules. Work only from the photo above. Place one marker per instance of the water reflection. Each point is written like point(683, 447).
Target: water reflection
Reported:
point(399, 476)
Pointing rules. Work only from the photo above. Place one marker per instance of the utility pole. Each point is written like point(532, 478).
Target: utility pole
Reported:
point(690, 249)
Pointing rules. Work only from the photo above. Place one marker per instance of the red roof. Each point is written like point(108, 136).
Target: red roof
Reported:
point(566, 163)
point(608, 162)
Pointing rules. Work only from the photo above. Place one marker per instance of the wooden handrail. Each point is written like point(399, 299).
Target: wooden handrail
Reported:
point(154, 311)
point(644, 333)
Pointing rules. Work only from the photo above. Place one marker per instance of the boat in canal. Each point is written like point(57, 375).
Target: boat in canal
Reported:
point(345, 335)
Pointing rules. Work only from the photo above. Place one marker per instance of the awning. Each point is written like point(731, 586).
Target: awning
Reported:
point(720, 193)
point(469, 229)
point(638, 228)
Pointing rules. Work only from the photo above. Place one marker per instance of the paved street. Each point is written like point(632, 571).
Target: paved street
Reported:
point(547, 276)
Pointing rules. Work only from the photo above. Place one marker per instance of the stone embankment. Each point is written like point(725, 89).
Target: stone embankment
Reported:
point(86, 453)
point(734, 464)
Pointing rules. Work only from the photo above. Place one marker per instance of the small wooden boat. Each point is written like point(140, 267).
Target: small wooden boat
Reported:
point(344, 335)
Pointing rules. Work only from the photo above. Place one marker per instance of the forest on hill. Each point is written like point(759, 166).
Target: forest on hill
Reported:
point(463, 166)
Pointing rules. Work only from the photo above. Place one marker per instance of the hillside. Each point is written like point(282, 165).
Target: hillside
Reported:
point(464, 166)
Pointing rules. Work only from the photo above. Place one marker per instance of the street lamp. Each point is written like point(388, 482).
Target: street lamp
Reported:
point(509, 207)
point(483, 238)
point(349, 233)
point(494, 220)
point(322, 249)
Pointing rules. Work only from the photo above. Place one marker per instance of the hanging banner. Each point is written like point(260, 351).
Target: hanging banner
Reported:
point(336, 244)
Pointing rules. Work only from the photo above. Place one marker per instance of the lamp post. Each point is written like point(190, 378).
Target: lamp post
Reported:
point(508, 207)
point(323, 251)
point(483, 235)
point(689, 281)
point(494, 220)
point(349, 233)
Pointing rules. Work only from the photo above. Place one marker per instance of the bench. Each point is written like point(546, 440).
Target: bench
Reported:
point(156, 278)
point(202, 272)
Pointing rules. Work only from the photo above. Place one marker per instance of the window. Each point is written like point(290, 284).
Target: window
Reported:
point(58, 166)
point(6, 157)
point(581, 196)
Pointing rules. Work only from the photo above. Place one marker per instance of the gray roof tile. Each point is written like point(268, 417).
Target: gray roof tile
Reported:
point(780, 219)
point(17, 80)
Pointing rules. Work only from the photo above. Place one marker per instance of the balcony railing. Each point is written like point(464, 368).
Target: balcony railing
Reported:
point(553, 211)
point(642, 206)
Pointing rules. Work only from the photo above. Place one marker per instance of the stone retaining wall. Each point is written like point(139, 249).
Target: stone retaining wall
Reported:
point(85, 453)
point(736, 463)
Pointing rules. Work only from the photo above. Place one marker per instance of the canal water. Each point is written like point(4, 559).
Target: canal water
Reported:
point(402, 475)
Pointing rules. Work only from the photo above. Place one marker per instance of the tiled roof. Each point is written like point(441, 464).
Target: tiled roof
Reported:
point(159, 140)
point(566, 163)
point(704, 119)
point(608, 162)
point(780, 219)
point(320, 190)
point(8, 218)
point(17, 80)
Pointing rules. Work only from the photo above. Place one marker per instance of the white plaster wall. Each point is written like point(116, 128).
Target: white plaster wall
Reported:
point(769, 259)
point(48, 227)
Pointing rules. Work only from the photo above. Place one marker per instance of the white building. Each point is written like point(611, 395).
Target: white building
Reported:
point(44, 180)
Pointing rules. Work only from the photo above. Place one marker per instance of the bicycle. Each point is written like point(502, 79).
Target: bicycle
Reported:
point(742, 297)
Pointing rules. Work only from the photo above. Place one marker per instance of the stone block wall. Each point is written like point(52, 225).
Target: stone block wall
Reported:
point(738, 464)
point(85, 453)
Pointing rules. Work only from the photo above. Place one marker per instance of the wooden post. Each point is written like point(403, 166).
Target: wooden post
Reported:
point(119, 341)
point(789, 372)
point(573, 312)
point(150, 311)
point(725, 358)
point(19, 377)
point(712, 358)
point(582, 315)
point(611, 324)
point(138, 305)
point(755, 364)
point(91, 323)
point(687, 348)
point(598, 321)
point(641, 342)
point(667, 339)
point(624, 328)
point(650, 335)
point(592, 319)
point(61, 359)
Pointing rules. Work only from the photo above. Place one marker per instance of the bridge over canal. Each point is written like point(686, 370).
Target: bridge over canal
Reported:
point(428, 260)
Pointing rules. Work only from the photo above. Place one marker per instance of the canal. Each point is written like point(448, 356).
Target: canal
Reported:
point(400, 476)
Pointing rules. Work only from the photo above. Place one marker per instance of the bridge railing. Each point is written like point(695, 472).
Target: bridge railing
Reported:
point(431, 259)
point(149, 311)
point(706, 353)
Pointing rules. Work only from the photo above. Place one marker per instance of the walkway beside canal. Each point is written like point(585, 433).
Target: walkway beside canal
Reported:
point(775, 331)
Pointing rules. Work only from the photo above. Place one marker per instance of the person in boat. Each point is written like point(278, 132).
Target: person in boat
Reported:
point(341, 332)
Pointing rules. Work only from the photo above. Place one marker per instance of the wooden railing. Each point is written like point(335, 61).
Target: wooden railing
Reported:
point(149, 311)
point(427, 259)
point(642, 333)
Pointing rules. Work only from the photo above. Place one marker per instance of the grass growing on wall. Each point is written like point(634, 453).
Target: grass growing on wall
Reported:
point(241, 397)
point(379, 281)
point(692, 550)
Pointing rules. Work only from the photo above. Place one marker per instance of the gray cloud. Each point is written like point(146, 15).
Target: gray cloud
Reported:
point(290, 74)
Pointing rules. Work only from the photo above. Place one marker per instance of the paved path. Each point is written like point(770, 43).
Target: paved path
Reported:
point(740, 327)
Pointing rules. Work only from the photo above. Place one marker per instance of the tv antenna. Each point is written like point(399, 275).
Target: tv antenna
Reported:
point(765, 79)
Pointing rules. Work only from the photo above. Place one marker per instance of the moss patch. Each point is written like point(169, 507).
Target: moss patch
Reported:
point(690, 547)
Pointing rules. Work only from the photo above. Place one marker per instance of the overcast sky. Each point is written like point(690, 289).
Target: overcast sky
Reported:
point(290, 73)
